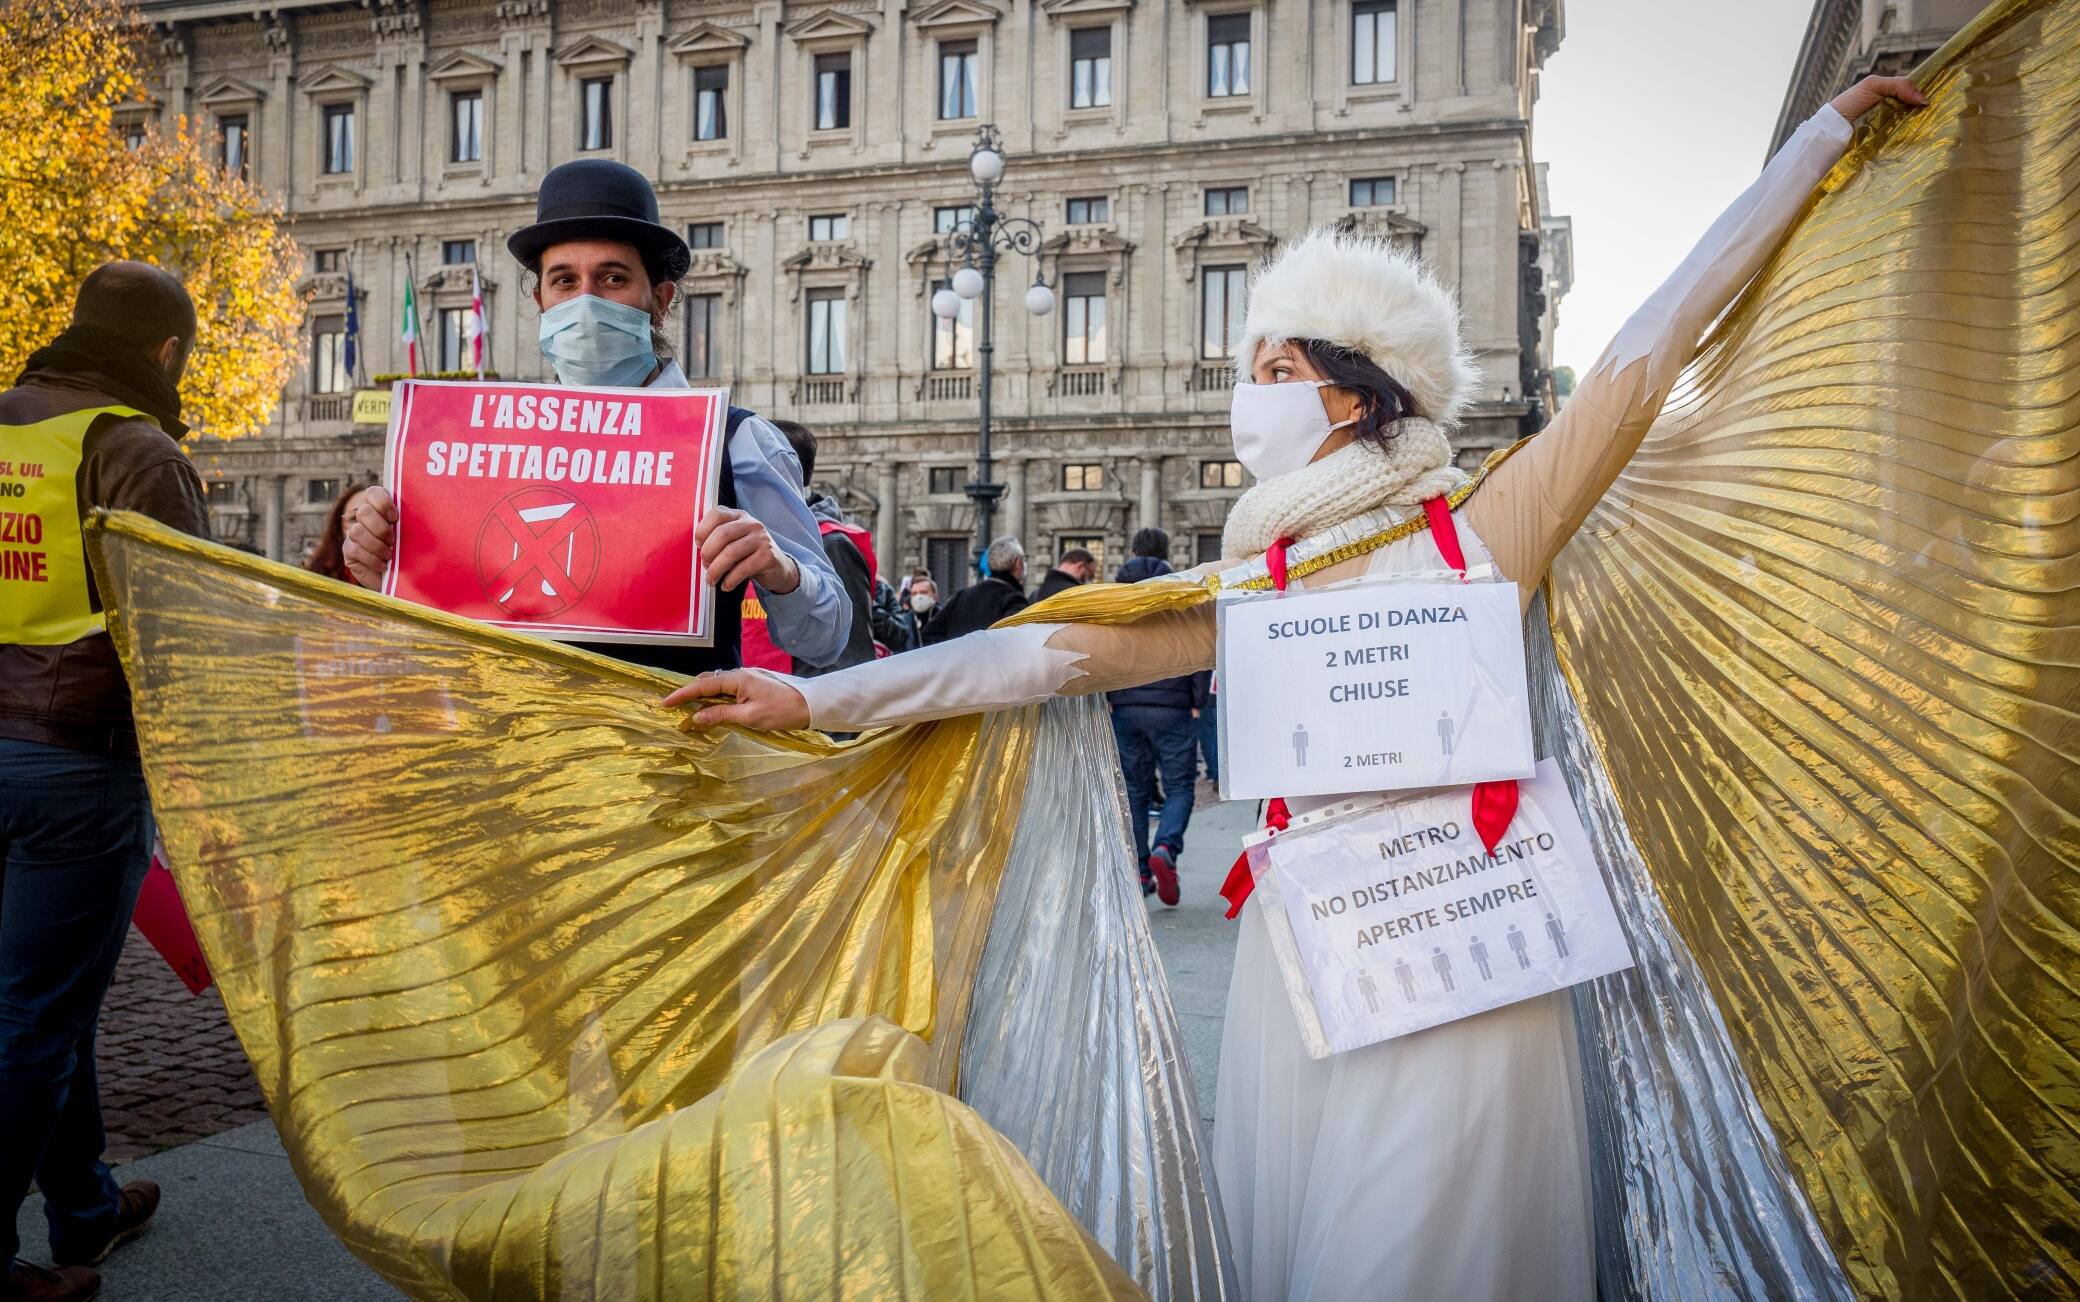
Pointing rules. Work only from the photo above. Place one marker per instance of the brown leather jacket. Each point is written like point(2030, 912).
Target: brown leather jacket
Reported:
point(74, 695)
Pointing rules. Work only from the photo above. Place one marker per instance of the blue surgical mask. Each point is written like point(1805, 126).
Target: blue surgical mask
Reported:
point(594, 341)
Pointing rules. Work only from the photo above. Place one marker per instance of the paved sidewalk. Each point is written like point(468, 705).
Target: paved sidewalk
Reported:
point(171, 1070)
point(234, 1226)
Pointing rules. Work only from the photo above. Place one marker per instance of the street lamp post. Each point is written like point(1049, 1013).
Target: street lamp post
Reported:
point(975, 243)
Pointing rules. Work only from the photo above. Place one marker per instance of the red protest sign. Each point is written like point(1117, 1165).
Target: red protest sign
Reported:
point(559, 511)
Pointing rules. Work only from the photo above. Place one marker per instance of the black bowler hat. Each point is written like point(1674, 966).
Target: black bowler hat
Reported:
point(597, 199)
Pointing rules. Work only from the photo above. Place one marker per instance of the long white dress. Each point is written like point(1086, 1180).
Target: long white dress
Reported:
point(1451, 1163)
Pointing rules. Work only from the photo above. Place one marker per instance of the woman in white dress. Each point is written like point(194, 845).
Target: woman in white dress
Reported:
point(1450, 1163)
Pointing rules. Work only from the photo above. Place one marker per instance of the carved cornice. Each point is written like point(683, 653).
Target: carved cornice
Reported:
point(715, 269)
point(327, 286)
point(707, 40)
point(1060, 9)
point(955, 14)
point(1100, 241)
point(594, 52)
point(332, 79)
point(1236, 236)
point(828, 258)
point(523, 12)
point(463, 65)
point(829, 24)
point(229, 92)
point(395, 18)
point(454, 279)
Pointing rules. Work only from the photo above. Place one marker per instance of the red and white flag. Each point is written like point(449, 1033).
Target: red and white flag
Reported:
point(478, 327)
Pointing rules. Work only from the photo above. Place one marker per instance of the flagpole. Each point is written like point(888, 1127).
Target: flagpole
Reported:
point(410, 324)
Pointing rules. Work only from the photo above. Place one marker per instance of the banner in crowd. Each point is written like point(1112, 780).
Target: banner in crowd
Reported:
point(564, 512)
point(1397, 918)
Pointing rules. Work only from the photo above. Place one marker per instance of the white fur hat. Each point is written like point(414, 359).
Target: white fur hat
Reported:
point(1365, 295)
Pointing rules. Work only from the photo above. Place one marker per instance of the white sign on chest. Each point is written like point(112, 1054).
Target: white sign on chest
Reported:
point(1400, 919)
point(1373, 687)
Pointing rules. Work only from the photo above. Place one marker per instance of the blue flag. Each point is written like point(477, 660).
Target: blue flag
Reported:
point(353, 326)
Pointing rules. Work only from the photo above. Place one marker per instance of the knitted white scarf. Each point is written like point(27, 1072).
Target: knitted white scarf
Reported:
point(1416, 465)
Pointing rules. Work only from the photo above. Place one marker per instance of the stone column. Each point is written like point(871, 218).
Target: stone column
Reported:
point(1015, 497)
point(271, 493)
point(1150, 512)
point(885, 518)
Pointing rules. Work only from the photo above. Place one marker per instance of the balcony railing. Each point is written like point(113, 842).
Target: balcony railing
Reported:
point(823, 393)
point(949, 388)
point(1083, 382)
point(1210, 377)
point(328, 406)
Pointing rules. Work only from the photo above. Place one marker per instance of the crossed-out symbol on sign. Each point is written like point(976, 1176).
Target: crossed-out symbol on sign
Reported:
point(537, 553)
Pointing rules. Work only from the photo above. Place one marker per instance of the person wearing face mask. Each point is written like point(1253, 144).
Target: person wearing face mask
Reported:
point(915, 604)
point(96, 413)
point(606, 274)
point(1451, 1162)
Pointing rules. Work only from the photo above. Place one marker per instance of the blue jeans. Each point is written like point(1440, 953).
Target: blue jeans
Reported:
point(1210, 740)
point(1150, 738)
point(75, 839)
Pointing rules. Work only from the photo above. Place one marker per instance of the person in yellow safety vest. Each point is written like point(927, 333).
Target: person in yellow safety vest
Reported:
point(92, 422)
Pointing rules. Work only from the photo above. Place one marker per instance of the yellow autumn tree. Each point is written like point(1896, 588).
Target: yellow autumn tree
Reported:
point(76, 195)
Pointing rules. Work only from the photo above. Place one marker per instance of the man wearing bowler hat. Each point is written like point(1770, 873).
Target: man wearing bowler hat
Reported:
point(606, 271)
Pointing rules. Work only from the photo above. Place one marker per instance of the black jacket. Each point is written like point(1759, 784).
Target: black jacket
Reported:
point(1056, 581)
point(974, 608)
point(1185, 693)
point(851, 569)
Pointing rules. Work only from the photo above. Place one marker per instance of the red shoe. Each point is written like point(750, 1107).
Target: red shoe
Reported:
point(27, 1283)
point(1163, 867)
point(139, 1199)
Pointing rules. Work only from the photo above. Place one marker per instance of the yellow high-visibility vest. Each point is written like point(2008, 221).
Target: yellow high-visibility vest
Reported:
point(43, 555)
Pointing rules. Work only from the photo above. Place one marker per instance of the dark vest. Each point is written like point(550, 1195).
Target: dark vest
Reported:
point(729, 606)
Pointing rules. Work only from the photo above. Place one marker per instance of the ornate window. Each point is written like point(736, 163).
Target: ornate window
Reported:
point(948, 218)
point(596, 113)
point(706, 235)
point(1374, 53)
point(1220, 474)
point(703, 358)
point(458, 253)
point(957, 76)
point(825, 227)
point(1227, 200)
point(1090, 67)
point(1221, 300)
point(1227, 55)
point(1083, 318)
point(336, 144)
point(1094, 210)
point(953, 342)
point(1083, 477)
point(466, 126)
point(329, 355)
point(711, 102)
point(833, 107)
point(827, 332)
point(1372, 191)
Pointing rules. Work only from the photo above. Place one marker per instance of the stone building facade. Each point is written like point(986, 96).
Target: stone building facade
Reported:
point(1847, 40)
point(815, 152)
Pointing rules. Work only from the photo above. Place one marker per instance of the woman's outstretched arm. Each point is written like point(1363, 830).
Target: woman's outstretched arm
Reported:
point(1533, 503)
point(993, 670)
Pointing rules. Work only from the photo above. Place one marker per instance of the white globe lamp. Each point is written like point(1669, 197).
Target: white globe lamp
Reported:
point(1039, 300)
point(967, 282)
point(986, 166)
point(946, 305)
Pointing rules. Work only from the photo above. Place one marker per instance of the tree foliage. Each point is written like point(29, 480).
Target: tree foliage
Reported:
point(76, 196)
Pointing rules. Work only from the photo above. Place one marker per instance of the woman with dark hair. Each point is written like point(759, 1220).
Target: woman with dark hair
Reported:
point(328, 556)
point(1451, 1162)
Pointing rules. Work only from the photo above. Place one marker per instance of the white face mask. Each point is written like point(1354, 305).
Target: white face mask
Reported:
point(1278, 427)
point(922, 602)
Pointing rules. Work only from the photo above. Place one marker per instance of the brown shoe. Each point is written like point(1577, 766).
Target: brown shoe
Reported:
point(27, 1283)
point(139, 1199)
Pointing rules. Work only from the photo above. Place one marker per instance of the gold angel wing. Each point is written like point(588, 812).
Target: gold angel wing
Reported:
point(1823, 633)
point(551, 998)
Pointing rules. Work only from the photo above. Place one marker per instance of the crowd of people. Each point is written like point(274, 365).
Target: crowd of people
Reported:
point(1353, 375)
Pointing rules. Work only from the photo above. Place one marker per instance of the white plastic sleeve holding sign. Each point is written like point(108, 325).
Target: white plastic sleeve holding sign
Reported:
point(1385, 685)
point(1389, 917)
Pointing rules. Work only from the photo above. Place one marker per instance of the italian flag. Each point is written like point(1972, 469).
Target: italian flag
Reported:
point(409, 329)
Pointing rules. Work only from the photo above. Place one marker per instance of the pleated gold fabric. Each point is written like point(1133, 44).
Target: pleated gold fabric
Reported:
point(551, 999)
point(1825, 632)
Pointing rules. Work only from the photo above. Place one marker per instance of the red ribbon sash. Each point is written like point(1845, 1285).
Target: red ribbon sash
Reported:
point(1494, 803)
